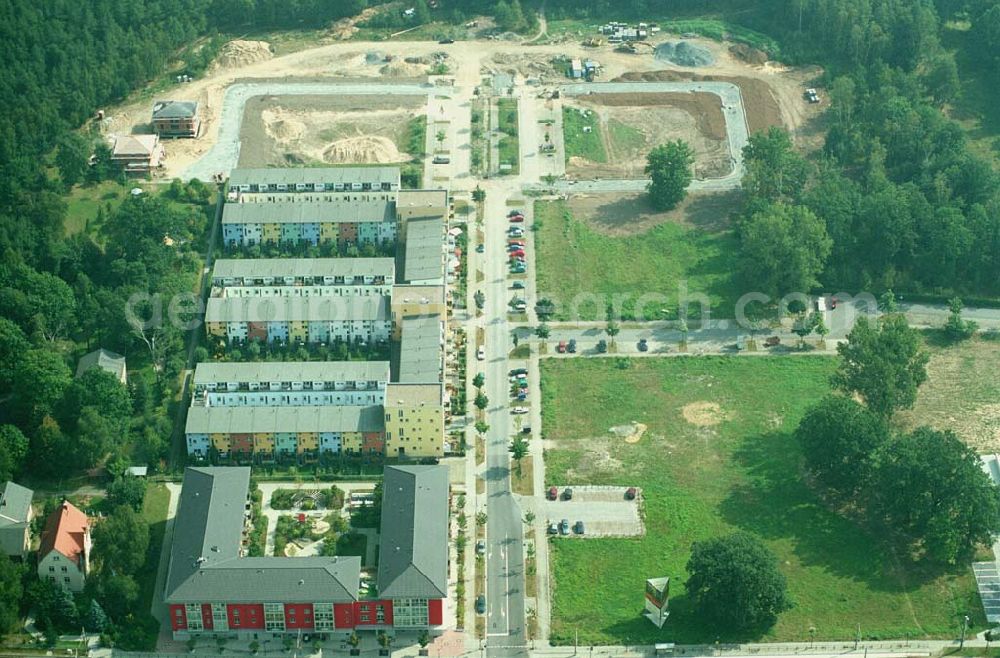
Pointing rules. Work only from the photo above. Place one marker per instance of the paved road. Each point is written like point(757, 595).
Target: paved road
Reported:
point(505, 618)
point(225, 153)
point(737, 131)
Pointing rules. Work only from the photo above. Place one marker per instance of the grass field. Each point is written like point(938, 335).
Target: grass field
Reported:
point(573, 258)
point(509, 153)
point(142, 636)
point(708, 471)
point(625, 137)
point(83, 202)
point(579, 143)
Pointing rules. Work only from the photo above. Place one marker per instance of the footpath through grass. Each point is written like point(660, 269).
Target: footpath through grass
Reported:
point(706, 471)
point(582, 270)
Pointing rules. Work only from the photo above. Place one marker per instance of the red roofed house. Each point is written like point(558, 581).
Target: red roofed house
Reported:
point(64, 555)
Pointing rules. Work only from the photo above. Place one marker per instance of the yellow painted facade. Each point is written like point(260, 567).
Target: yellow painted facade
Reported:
point(221, 442)
point(327, 232)
point(272, 232)
point(216, 329)
point(416, 431)
point(298, 330)
point(351, 442)
point(307, 442)
point(263, 442)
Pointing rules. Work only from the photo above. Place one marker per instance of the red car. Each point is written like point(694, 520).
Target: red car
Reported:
point(553, 493)
point(519, 253)
point(561, 347)
point(519, 243)
point(516, 218)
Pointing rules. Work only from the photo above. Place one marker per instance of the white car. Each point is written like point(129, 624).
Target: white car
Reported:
point(481, 353)
point(519, 410)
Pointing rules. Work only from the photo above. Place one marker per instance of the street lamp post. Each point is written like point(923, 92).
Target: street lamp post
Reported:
point(965, 626)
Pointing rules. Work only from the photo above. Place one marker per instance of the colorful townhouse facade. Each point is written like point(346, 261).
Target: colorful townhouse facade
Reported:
point(344, 223)
point(213, 589)
point(348, 319)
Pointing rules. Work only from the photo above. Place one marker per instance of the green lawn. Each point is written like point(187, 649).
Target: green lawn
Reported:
point(507, 123)
point(579, 143)
point(625, 137)
point(142, 635)
point(702, 481)
point(573, 258)
point(83, 201)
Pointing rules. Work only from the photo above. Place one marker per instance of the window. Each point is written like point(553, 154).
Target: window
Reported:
point(52, 569)
point(409, 612)
point(219, 620)
point(323, 616)
point(63, 569)
point(193, 611)
point(274, 617)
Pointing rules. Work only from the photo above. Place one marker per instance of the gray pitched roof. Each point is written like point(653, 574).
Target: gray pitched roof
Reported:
point(310, 175)
point(424, 255)
point(205, 556)
point(174, 109)
point(309, 212)
point(413, 553)
point(421, 350)
point(104, 359)
point(254, 420)
point(302, 267)
point(15, 504)
point(303, 309)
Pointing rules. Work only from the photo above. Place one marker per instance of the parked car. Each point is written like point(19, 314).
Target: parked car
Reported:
point(561, 347)
point(441, 159)
point(480, 248)
point(480, 605)
point(567, 494)
point(445, 42)
point(515, 211)
point(553, 493)
point(517, 411)
point(515, 232)
point(526, 429)
point(772, 341)
point(518, 371)
point(630, 493)
point(516, 218)
point(519, 253)
point(578, 527)
point(571, 346)
point(481, 353)
point(564, 527)
point(602, 346)
point(553, 529)
point(643, 345)
point(519, 307)
point(480, 547)
point(518, 285)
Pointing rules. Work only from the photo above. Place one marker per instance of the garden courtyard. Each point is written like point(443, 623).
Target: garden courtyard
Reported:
point(719, 456)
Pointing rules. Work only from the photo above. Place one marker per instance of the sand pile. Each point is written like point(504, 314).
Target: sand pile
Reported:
point(365, 149)
point(243, 53)
point(630, 433)
point(281, 126)
point(401, 69)
point(703, 414)
point(684, 53)
point(748, 54)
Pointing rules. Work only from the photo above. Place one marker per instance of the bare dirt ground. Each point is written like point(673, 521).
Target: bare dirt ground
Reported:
point(622, 215)
point(695, 118)
point(772, 93)
point(282, 130)
point(961, 394)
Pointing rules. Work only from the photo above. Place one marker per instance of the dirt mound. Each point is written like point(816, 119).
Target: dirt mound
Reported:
point(292, 549)
point(703, 414)
point(630, 433)
point(684, 53)
point(366, 149)
point(320, 527)
point(239, 53)
point(401, 69)
point(748, 54)
point(282, 126)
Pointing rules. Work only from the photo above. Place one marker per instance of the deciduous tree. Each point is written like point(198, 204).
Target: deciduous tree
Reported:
point(783, 249)
point(669, 167)
point(838, 437)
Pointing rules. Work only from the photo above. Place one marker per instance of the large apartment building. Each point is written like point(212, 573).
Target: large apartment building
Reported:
point(213, 589)
point(266, 411)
